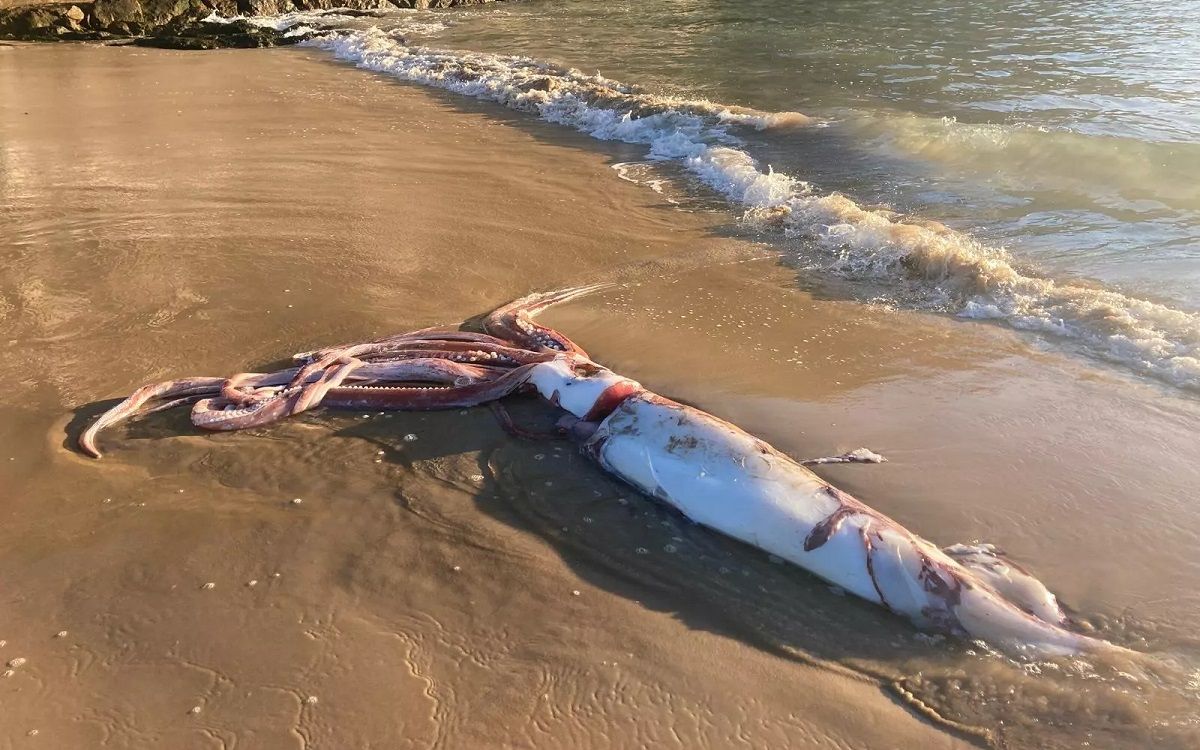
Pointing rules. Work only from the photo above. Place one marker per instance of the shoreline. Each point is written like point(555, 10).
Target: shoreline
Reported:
point(333, 201)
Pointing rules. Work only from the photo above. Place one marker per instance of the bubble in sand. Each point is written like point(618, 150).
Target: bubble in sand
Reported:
point(195, 710)
point(297, 500)
point(16, 662)
point(642, 551)
point(8, 673)
point(252, 582)
point(209, 586)
point(32, 733)
point(410, 438)
point(61, 634)
point(575, 592)
point(311, 700)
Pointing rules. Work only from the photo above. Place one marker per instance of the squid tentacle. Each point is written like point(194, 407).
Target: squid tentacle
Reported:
point(331, 389)
point(173, 390)
point(251, 387)
point(461, 352)
point(514, 321)
point(424, 334)
point(312, 393)
point(423, 398)
point(219, 414)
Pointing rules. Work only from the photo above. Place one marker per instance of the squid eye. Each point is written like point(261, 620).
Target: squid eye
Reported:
point(585, 369)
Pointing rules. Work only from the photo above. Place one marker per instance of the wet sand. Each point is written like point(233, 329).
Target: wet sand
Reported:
point(166, 214)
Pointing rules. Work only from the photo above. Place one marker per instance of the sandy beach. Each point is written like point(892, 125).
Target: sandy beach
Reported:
point(441, 584)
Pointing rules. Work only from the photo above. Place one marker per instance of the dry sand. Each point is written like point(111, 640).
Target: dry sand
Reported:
point(166, 214)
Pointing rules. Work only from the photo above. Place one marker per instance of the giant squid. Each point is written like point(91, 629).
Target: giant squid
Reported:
point(714, 473)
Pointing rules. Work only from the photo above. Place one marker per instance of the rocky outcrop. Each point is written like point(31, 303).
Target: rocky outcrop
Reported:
point(106, 19)
point(134, 17)
point(46, 22)
point(212, 35)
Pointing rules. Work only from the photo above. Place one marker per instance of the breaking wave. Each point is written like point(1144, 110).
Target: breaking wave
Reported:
point(929, 265)
point(302, 22)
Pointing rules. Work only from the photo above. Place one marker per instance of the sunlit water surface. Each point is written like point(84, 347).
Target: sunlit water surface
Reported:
point(1069, 132)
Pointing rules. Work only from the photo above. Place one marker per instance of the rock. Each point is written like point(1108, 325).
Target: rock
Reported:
point(140, 16)
point(45, 22)
point(203, 35)
point(158, 13)
point(118, 16)
point(264, 7)
point(174, 23)
point(71, 22)
point(226, 8)
point(30, 22)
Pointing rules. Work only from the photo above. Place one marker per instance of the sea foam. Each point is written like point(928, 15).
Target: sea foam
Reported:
point(398, 21)
point(935, 267)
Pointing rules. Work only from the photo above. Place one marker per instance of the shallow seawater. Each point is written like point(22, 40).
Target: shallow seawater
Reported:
point(1031, 165)
point(1067, 132)
point(216, 213)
